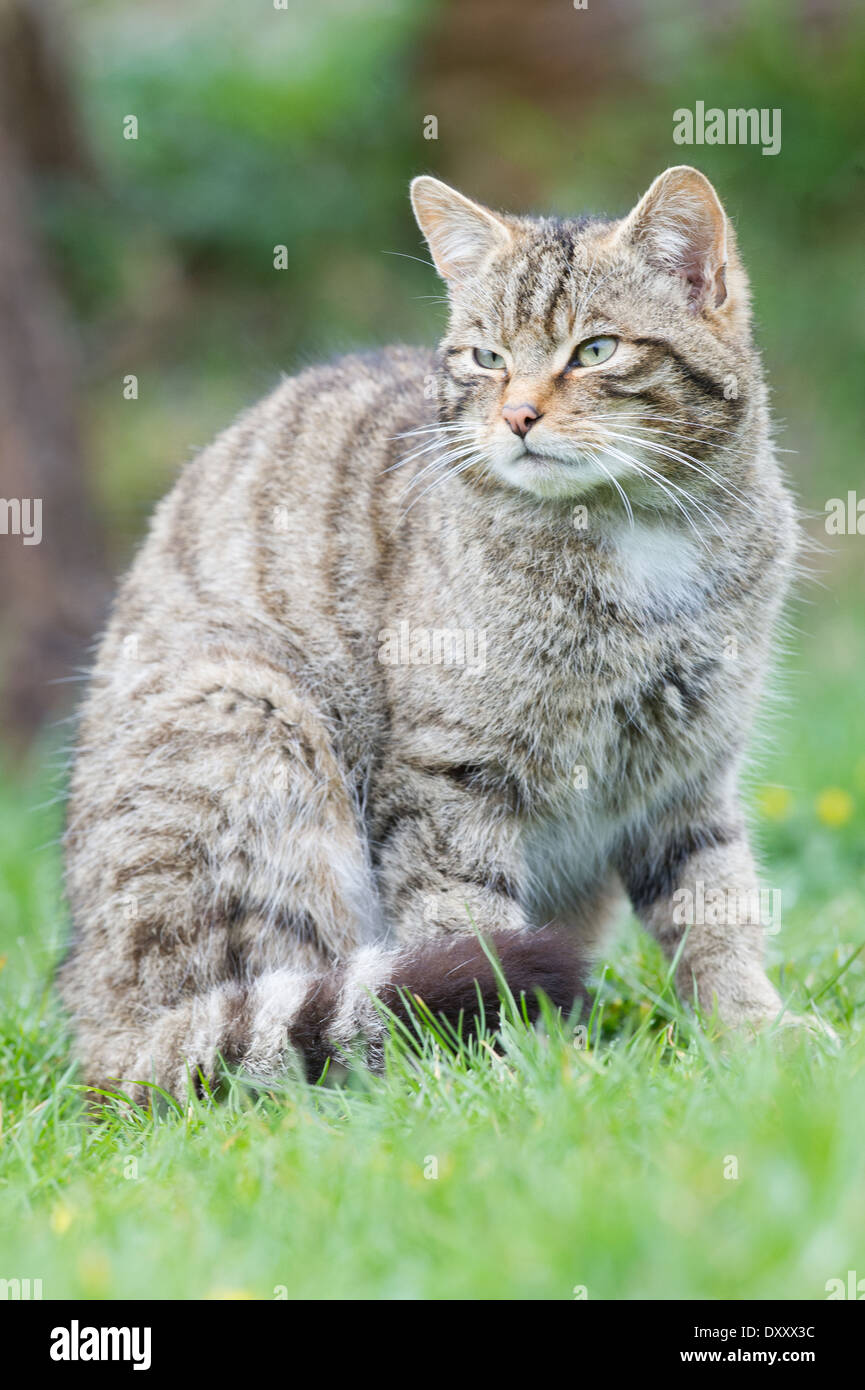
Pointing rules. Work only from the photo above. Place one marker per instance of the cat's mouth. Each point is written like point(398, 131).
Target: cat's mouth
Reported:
point(541, 456)
point(568, 471)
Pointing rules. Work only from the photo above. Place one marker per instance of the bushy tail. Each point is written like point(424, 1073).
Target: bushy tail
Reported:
point(452, 975)
point(256, 1026)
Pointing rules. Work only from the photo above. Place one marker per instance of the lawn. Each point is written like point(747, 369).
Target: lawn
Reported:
point(655, 1162)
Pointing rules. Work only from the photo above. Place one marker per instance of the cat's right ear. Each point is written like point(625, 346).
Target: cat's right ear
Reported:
point(461, 235)
point(682, 229)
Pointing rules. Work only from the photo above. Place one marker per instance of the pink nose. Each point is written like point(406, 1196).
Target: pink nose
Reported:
point(520, 417)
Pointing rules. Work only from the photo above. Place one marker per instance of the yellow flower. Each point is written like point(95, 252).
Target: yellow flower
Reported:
point(60, 1219)
point(834, 806)
point(776, 803)
point(230, 1295)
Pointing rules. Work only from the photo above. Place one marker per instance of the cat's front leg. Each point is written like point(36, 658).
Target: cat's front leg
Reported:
point(448, 858)
point(693, 883)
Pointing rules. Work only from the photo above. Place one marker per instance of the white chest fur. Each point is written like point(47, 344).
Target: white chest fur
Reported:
point(656, 565)
point(654, 568)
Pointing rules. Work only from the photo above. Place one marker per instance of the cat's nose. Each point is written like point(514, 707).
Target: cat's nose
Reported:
point(520, 417)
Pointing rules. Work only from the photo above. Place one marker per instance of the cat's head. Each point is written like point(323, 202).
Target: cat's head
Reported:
point(580, 351)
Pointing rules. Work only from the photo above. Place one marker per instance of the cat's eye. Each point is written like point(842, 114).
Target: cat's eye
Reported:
point(594, 351)
point(493, 361)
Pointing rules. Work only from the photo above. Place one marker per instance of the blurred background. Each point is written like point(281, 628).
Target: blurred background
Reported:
point(278, 123)
point(139, 310)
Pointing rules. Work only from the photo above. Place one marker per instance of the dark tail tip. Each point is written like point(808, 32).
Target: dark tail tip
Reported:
point(448, 973)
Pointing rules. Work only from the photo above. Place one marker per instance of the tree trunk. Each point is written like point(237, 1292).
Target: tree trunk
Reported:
point(52, 591)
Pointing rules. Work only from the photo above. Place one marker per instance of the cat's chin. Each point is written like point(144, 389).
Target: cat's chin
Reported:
point(549, 476)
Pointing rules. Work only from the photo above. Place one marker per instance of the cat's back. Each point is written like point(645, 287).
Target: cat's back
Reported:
point(309, 456)
point(276, 503)
point(268, 552)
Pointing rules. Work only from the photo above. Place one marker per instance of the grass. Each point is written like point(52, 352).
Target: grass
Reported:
point(654, 1162)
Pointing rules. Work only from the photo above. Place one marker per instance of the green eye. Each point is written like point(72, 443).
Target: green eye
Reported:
point(593, 351)
point(493, 361)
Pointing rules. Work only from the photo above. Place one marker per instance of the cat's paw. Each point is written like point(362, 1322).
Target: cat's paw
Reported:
point(776, 1021)
point(808, 1023)
point(753, 1006)
point(732, 1001)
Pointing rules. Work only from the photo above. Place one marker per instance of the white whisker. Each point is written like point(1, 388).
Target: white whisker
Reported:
point(452, 472)
point(616, 484)
point(665, 485)
point(440, 461)
point(677, 456)
point(669, 419)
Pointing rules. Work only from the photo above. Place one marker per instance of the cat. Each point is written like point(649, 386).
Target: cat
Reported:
point(295, 794)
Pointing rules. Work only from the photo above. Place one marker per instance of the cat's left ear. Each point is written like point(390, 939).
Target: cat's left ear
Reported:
point(461, 235)
point(681, 228)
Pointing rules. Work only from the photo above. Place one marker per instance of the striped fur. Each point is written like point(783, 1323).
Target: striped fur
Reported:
point(269, 823)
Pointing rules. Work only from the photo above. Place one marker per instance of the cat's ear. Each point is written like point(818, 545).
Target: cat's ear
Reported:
point(461, 234)
point(681, 228)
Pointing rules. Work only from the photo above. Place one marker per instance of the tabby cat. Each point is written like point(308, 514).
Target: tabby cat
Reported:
point(431, 645)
